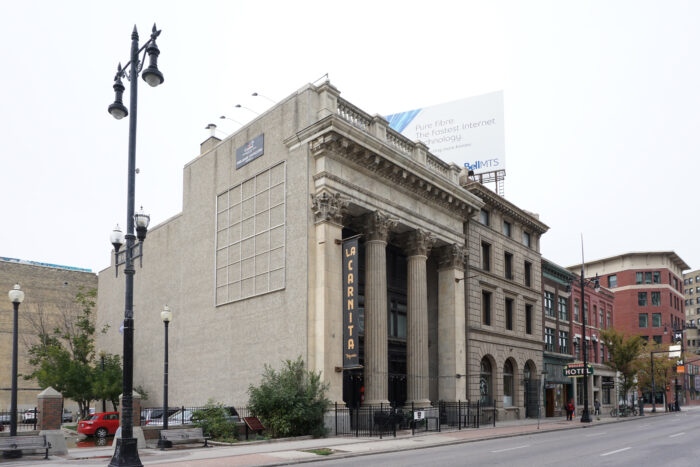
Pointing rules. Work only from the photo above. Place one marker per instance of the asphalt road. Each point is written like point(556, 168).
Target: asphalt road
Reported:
point(672, 440)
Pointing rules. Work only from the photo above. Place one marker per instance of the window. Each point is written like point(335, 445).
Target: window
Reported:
point(697, 289)
point(506, 228)
point(602, 353)
point(647, 277)
point(697, 300)
point(549, 304)
point(508, 384)
point(586, 316)
point(549, 339)
point(509, 314)
point(508, 259)
point(563, 342)
point(526, 239)
point(643, 320)
point(485, 387)
point(486, 308)
point(484, 217)
point(690, 280)
point(601, 320)
point(485, 256)
point(675, 283)
point(656, 298)
point(564, 308)
point(397, 320)
point(528, 319)
point(646, 338)
point(595, 316)
point(612, 281)
point(657, 277)
point(576, 312)
point(639, 277)
point(608, 381)
point(577, 347)
point(642, 298)
point(697, 279)
point(656, 320)
point(528, 274)
point(657, 339)
point(608, 320)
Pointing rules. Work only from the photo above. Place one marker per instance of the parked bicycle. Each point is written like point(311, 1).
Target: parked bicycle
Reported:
point(623, 411)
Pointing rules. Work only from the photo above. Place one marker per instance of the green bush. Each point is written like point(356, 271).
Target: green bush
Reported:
point(214, 421)
point(291, 401)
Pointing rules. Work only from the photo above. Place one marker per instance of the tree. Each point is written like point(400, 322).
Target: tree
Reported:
point(624, 352)
point(664, 368)
point(64, 357)
point(291, 401)
point(107, 383)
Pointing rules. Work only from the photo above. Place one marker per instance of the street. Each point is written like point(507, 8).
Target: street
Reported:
point(669, 440)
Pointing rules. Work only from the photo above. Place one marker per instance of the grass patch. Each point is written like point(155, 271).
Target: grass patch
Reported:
point(321, 452)
point(71, 427)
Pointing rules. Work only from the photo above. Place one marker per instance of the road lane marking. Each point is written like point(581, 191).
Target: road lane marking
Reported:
point(615, 452)
point(510, 449)
point(596, 434)
point(677, 434)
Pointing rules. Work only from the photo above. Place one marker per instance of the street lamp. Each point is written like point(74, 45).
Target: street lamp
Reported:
point(166, 315)
point(16, 297)
point(102, 360)
point(126, 451)
point(239, 106)
point(585, 414)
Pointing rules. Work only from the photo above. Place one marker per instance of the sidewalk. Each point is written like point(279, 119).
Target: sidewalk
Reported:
point(291, 451)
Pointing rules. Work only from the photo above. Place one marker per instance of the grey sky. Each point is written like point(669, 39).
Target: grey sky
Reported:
point(601, 104)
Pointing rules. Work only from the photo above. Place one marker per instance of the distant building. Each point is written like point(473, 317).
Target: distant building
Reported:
point(691, 284)
point(49, 293)
point(648, 288)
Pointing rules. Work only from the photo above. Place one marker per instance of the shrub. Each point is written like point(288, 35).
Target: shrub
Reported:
point(291, 401)
point(215, 421)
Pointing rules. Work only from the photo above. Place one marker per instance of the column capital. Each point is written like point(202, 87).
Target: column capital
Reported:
point(419, 243)
point(378, 225)
point(452, 256)
point(329, 207)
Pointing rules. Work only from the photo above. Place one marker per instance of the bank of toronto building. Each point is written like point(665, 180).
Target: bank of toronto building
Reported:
point(447, 284)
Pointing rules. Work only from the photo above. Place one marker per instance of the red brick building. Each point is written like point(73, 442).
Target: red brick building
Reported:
point(648, 288)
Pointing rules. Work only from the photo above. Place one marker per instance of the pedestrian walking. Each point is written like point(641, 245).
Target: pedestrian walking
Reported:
point(596, 404)
point(570, 408)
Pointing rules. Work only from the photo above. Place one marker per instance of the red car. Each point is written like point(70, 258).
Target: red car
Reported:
point(100, 424)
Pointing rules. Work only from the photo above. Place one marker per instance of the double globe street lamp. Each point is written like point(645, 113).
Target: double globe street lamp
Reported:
point(126, 451)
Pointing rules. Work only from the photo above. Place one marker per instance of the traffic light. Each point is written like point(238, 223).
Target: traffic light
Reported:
point(668, 388)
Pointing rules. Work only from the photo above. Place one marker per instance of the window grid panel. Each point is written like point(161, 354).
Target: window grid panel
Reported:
point(237, 209)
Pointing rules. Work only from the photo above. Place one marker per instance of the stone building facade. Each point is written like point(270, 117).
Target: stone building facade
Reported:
point(504, 325)
point(49, 294)
point(252, 266)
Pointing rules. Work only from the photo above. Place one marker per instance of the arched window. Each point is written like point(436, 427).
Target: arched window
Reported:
point(508, 384)
point(485, 380)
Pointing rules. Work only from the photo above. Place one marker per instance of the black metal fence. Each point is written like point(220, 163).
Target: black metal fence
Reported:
point(26, 420)
point(384, 420)
point(153, 416)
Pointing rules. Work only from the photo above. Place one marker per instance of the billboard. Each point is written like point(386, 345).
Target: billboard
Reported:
point(468, 132)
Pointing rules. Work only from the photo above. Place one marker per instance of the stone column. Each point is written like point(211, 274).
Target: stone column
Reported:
point(50, 407)
point(377, 229)
point(418, 246)
point(325, 320)
point(452, 381)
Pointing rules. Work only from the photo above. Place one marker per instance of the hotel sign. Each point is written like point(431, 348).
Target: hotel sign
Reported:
point(575, 370)
point(250, 151)
point(351, 344)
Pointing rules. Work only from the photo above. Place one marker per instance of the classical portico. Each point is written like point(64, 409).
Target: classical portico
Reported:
point(394, 194)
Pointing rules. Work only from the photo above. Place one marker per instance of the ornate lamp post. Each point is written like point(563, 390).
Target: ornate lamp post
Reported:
point(126, 452)
point(166, 315)
point(585, 414)
point(16, 297)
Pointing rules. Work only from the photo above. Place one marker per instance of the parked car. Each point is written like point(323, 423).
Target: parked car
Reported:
point(30, 416)
point(151, 415)
point(100, 424)
point(4, 418)
point(67, 416)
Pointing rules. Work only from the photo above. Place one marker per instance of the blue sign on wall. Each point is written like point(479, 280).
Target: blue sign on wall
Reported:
point(250, 151)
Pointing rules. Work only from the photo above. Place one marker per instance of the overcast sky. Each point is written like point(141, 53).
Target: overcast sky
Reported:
point(601, 105)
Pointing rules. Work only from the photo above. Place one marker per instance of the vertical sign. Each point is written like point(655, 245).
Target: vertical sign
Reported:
point(351, 344)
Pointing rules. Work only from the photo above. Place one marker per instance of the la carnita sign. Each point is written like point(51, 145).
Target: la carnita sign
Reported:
point(351, 356)
point(575, 370)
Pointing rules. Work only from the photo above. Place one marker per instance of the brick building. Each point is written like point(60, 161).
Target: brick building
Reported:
point(563, 339)
point(49, 293)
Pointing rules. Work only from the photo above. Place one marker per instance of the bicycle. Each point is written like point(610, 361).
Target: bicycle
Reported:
point(623, 411)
